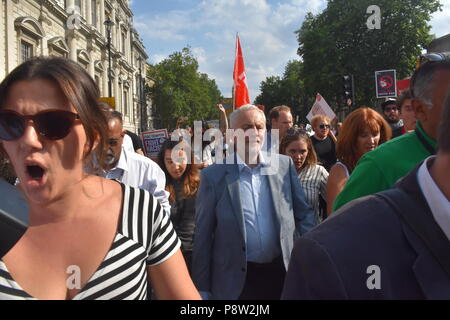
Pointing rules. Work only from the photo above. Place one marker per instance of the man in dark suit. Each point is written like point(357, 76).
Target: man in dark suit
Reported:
point(368, 251)
point(247, 212)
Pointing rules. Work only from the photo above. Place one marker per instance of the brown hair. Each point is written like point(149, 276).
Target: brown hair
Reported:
point(77, 86)
point(311, 158)
point(405, 95)
point(190, 177)
point(274, 113)
point(355, 123)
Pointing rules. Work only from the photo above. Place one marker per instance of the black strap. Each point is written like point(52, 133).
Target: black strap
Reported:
point(422, 223)
point(425, 143)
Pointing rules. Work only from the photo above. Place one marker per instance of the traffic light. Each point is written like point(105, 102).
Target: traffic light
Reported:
point(348, 89)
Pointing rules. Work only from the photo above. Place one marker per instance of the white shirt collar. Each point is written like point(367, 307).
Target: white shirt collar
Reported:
point(122, 163)
point(262, 161)
point(437, 201)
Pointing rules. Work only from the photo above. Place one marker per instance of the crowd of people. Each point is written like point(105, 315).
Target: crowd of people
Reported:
point(295, 215)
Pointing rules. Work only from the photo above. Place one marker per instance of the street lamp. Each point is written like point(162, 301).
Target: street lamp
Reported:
point(109, 24)
point(141, 95)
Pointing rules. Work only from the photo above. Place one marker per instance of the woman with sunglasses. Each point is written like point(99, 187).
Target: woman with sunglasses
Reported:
point(88, 237)
point(182, 182)
point(313, 177)
point(362, 131)
point(324, 141)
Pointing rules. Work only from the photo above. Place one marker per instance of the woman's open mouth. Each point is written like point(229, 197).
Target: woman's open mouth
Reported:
point(35, 174)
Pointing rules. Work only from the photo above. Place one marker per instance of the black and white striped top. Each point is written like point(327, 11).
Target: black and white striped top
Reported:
point(313, 180)
point(145, 237)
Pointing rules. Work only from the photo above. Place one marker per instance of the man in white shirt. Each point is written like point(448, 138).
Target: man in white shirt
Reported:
point(130, 167)
point(391, 245)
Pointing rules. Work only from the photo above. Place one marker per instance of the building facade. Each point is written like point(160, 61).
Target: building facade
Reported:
point(441, 44)
point(75, 29)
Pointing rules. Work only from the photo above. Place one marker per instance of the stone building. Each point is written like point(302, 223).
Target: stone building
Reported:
point(75, 29)
point(441, 44)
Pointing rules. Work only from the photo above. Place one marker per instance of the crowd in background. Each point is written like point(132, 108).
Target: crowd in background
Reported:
point(225, 229)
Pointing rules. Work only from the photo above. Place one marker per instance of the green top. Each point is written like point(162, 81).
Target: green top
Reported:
point(381, 168)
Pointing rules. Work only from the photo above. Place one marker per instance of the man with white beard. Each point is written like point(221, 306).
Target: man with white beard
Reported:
point(131, 168)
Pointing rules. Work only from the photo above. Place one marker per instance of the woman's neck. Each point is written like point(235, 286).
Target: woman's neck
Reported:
point(67, 206)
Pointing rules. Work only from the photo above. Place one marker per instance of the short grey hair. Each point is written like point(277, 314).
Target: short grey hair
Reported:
point(424, 83)
point(248, 107)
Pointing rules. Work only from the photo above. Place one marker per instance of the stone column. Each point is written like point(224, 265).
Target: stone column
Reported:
point(102, 17)
point(11, 39)
point(2, 47)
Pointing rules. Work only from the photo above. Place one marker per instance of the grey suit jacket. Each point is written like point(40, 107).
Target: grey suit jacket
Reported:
point(219, 254)
point(332, 261)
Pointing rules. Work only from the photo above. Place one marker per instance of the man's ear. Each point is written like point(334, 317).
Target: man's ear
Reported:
point(419, 110)
point(124, 132)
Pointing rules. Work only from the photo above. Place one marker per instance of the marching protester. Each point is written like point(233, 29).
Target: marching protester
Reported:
point(109, 237)
point(362, 131)
point(380, 169)
point(390, 245)
point(183, 180)
point(130, 167)
point(281, 119)
point(247, 211)
point(391, 113)
point(404, 103)
point(324, 141)
point(313, 177)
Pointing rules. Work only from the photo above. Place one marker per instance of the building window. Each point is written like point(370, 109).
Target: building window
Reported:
point(124, 42)
point(79, 5)
point(125, 102)
point(26, 50)
point(94, 12)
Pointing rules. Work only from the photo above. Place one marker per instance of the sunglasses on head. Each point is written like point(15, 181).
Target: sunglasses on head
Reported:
point(427, 59)
point(323, 126)
point(49, 124)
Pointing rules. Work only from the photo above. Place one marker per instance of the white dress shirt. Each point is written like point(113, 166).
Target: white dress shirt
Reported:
point(437, 201)
point(138, 171)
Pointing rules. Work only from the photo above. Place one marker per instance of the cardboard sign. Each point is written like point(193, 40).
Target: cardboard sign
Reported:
point(152, 141)
point(320, 106)
point(386, 83)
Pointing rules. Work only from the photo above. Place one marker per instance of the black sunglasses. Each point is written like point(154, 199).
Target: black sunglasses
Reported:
point(323, 126)
point(49, 124)
point(391, 109)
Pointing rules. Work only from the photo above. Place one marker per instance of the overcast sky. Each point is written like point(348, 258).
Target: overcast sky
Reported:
point(266, 29)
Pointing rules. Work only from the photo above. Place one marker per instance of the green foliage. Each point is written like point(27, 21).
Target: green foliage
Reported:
point(181, 91)
point(338, 42)
point(288, 90)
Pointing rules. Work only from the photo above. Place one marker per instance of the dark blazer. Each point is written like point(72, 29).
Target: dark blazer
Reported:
point(219, 255)
point(332, 260)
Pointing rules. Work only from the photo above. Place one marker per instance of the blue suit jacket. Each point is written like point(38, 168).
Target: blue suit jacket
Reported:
point(331, 261)
point(219, 255)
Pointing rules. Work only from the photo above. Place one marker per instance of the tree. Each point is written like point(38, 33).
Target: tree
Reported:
point(337, 42)
point(288, 90)
point(181, 91)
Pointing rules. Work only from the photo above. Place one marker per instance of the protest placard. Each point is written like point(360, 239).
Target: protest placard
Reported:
point(320, 106)
point(152, 141)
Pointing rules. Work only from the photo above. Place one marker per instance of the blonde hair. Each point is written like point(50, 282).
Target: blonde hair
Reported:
point(318, 118)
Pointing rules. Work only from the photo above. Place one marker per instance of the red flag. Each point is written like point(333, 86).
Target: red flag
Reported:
point(240, 81)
